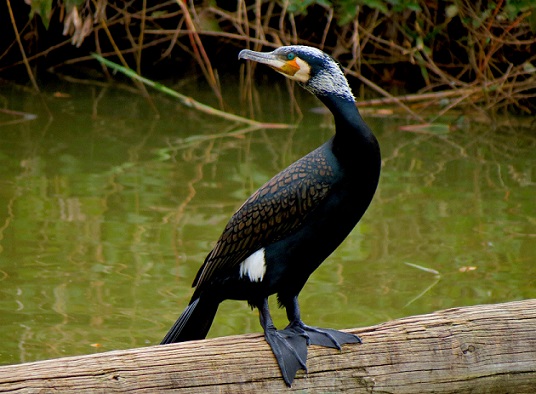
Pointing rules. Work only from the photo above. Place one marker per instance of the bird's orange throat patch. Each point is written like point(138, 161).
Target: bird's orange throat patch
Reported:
point(295, 69)
point(291, 67)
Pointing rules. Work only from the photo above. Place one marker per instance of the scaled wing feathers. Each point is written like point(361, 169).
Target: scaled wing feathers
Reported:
point(273, 212)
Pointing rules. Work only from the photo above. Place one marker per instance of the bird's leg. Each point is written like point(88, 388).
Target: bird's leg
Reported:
point(316, 336)
point(290, 351)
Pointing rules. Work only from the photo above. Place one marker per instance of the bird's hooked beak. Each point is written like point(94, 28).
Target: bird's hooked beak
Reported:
point(295, 68)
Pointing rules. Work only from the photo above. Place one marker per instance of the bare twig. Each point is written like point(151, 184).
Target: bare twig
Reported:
point(188, 101)
point(387, 94)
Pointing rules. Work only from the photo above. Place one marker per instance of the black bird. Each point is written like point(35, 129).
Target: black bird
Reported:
point(288, 227)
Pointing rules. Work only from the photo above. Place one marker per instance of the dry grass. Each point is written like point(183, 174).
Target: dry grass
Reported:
point(453, 58)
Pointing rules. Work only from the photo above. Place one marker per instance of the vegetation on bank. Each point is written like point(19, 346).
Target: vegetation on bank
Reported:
point(456, 53)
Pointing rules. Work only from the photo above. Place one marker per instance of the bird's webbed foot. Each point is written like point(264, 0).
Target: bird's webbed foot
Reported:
point(289, 348)
point(321, 336)
point(290, 351)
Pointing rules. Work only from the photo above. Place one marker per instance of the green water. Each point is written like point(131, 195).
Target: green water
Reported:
point(106, 213)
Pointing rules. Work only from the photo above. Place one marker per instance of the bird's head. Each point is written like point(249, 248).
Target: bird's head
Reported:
point(310, 67)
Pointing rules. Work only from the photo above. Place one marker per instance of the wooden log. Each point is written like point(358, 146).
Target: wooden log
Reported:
point(477, 349)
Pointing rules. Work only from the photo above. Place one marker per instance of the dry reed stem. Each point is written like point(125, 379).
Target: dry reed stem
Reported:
point(200, 53)
point(141, 37)
point(188, 101)
point(21, 47)
point(119, 54)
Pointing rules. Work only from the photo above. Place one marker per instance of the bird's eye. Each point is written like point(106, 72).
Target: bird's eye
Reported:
point(291, 56)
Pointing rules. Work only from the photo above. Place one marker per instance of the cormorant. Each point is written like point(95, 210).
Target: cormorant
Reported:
point(288, 227)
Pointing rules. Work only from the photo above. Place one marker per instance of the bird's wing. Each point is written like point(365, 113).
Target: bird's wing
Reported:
point(274, 211)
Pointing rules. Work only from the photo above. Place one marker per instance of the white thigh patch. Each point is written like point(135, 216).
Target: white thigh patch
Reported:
point(254, 266)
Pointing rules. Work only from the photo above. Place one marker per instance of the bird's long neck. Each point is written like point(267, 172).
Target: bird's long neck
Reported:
point(352, 133)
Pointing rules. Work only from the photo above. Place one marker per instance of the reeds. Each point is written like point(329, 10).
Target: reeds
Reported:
point(449, 55)
point(188, 101)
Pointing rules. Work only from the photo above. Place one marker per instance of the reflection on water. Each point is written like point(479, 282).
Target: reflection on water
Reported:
point(106, 214)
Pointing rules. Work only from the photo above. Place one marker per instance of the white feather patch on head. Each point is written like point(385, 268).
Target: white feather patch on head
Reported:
point(254, 267)
point(330, 80)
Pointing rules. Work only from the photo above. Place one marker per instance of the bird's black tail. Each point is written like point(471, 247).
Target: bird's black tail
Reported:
point(194, 322)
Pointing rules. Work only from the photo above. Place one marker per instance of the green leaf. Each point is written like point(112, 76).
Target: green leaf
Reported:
point(376, 5)
point(299, 7)
point(42, 8)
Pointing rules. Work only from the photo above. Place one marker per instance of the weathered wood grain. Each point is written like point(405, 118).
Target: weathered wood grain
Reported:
point(478, 349)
